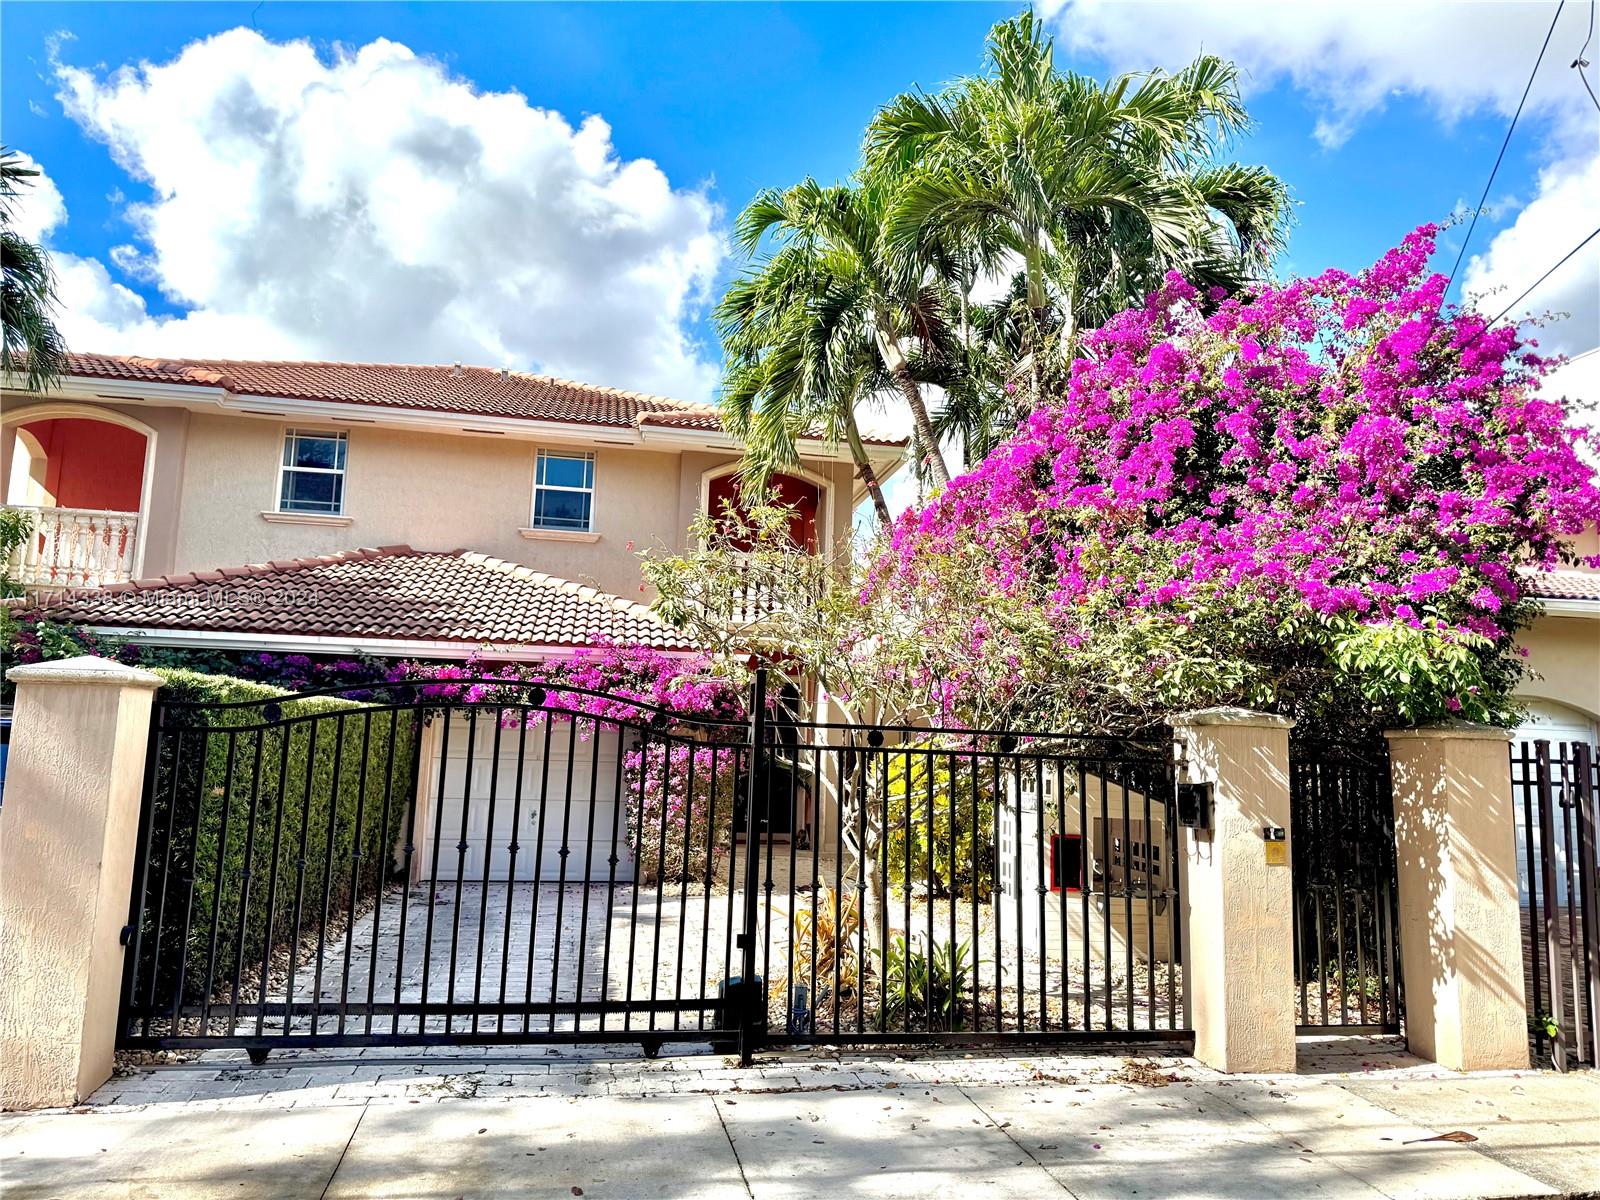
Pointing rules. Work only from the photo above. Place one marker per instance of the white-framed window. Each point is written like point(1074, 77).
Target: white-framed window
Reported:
point(563, 491)
point(311, 478)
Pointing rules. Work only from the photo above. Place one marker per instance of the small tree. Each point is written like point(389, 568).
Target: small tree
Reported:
point(746, 590)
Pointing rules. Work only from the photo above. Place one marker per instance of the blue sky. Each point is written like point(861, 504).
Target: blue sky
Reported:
point(195, 203)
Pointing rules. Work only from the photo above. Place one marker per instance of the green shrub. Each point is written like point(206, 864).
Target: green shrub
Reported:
point(921, 983)
point(312, 797)
point(960, 863)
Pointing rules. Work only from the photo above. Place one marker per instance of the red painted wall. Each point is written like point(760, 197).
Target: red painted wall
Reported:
point(800, 497)
point(91, 464)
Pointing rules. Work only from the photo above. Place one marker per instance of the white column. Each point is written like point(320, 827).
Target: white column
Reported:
point(74, 783)
point(1460, 920)
point(1238, 892)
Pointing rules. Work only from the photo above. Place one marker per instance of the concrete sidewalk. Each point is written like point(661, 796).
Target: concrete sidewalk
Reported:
point(1360, 1120)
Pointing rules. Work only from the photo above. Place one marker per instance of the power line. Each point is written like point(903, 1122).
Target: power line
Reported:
point(1563, 262)
point(1510, 129)
point(1579, 63)
point(1495, 320)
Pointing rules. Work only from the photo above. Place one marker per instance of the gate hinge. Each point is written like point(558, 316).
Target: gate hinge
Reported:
point(127, 932)
point(741, 940)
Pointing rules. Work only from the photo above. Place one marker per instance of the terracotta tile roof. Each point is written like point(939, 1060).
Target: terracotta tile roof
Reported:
point(471, 391)
point(394, 593)
point(1562, 584)
point(683, 420)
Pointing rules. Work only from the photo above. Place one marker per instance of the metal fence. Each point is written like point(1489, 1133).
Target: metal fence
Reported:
point(1346, 948)
point(431, 869)
point(1555, 788)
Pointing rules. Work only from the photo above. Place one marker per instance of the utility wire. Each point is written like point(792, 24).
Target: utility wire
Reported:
point(1495, 320)
point(1563, 262)
point(1579, 63)
point(1499, 158)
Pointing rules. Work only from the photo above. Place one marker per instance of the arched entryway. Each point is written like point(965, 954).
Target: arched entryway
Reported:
point(83, 475)
point(802, 497)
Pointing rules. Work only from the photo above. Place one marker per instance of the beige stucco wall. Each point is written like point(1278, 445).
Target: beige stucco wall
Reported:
point(1238, 904)
point(1460, 932)
point(1564, 653)
point(430, 491)
point(170, 426)
point(216, 474)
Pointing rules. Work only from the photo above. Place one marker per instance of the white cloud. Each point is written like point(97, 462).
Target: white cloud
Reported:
point(38, 207)
point(1349, 58)
point(369, 206)
point(1566, 208)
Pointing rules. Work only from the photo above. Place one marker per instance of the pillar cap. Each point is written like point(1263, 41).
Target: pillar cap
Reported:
point(85, 669)
point(1227, 715)
point(1459, 731)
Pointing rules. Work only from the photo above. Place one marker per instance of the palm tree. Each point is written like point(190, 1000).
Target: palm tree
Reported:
point(796, 366)
point(27, 289)
point(1095, 189)
point(829, 246)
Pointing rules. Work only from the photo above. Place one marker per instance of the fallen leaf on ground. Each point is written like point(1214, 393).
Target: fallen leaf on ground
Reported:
point(1455, 1135)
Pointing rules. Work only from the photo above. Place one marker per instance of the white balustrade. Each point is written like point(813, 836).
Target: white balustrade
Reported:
point(74, 548)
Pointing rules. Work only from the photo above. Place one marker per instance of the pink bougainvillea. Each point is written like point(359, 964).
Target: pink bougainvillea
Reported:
point(1338, 473)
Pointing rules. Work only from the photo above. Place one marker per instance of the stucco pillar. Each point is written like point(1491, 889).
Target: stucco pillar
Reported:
point(74, 782)
point(1460, 925)
point(1238, 902)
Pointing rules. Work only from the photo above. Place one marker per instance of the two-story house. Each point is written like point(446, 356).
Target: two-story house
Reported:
point(505, 508)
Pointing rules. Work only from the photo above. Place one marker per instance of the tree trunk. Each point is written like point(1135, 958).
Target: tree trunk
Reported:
point(864, 469)
point(1036, 312)
point(895, 360)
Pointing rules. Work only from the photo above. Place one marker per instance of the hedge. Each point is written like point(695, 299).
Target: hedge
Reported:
point(267, 758)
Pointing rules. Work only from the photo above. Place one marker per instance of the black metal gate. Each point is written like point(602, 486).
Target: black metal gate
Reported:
point(1556, 788)
point(497, 862)
point(1346, 947)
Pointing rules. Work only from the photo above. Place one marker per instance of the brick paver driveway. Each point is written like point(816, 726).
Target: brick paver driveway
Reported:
point(515, 944)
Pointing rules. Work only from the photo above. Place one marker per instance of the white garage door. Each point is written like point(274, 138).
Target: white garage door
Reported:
point(569, 783)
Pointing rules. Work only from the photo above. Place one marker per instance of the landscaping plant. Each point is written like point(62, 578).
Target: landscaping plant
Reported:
point(218, 799)
point(940, 824)
point(925, 986)
point(1316, 499)
point(833, 924)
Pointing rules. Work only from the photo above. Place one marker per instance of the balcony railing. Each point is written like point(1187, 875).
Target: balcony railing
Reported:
point(752, 595)
point(75, 548)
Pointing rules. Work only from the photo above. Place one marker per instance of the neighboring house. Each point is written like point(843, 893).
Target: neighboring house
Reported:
point(142, 468)
point(1563, 693)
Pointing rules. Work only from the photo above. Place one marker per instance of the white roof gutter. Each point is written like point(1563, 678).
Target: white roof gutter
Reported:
point(1554, 607)
point(282, 643)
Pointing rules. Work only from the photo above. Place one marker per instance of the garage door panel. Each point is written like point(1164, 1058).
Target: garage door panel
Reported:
point(548, 865)
point(586, 783)
point(580, 776)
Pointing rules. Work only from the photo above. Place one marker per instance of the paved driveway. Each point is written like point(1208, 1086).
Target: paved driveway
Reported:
point(517, 942)
point(528, 943)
